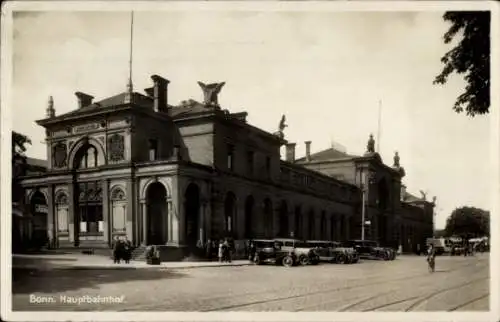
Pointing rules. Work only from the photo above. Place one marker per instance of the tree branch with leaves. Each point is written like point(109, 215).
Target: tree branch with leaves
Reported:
point(470, 57)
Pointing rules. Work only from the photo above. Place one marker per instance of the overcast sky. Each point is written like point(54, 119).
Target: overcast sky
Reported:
point(326, 71)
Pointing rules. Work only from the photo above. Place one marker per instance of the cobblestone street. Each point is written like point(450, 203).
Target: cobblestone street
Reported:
point(459, 283)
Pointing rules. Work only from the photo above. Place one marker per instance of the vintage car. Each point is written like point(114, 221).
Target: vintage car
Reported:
point(370, 249)
point(270, 252)
point(333, 252)
point(305, 253)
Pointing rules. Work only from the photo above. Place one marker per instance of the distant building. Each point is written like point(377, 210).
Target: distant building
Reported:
point(394, 215)
point(134, 165)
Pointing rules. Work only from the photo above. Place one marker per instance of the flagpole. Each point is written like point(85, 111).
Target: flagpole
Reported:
point(379, 122)
point(130, 86)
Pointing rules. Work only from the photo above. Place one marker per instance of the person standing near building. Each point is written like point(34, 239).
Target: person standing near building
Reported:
point(431, 257)
point(208, 250)
point(221, 251)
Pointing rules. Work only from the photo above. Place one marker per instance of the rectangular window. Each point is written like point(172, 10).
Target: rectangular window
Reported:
point(153, 150)
point(250, 162)
point(230, 157)
point(268, 166)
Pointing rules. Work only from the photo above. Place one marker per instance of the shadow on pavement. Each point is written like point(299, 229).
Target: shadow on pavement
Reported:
point(28, 280)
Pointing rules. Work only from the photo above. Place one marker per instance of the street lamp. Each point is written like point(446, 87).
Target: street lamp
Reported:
point(365, 188)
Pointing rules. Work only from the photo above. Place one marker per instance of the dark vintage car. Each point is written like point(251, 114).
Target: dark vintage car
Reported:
point(334, 252)
point(270, 252)
point(370, 249)
point(306, 254)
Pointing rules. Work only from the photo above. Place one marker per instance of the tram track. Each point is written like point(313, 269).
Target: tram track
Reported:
point(373, 297)
point(478, 298)
point(200, 303)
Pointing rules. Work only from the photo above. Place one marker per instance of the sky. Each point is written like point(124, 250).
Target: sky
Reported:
point(326, 71)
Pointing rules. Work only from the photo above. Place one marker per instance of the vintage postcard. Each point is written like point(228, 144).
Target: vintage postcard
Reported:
point(250, 161)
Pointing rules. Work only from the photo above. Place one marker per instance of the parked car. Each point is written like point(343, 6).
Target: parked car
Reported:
point(370, 249)
point(270, 252)
point(457, 250)
point(305, 253)
point(333, 252)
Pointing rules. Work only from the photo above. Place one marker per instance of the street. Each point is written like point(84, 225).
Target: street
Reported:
point(459, 283)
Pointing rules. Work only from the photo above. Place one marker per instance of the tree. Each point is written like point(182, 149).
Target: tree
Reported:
point(468, 222)
point(19, 147)
point(471, 56)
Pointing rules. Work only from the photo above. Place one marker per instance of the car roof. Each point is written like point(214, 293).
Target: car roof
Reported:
point(263, 240)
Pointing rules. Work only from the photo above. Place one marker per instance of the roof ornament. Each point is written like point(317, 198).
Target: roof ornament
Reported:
point(424, 195)
point(51, 112)
point(370, 147)
point(211, 92)
point(281, 127)
point(396, 160)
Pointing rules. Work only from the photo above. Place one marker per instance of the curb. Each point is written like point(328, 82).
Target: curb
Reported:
point(117, 268)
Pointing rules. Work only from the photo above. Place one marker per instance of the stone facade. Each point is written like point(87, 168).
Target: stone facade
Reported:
point(132, 165)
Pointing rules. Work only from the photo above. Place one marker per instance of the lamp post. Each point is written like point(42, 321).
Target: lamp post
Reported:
point(365, 197)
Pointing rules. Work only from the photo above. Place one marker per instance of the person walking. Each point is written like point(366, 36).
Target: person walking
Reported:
point(208, 249)
point(221, 251)
point(431, 258)
point(127, 250)
point(251, 251)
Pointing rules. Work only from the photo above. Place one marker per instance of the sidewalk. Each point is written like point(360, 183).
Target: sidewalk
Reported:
point(88, 262)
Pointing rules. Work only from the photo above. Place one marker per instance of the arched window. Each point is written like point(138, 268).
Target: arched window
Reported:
point(62, 210)
point(87, 157)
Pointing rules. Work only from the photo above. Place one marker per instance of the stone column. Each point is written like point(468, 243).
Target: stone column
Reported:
point(130, 209)
point(105, 211)
point(72, 213)
point(51, 217)
point(144, 215)
point(173, 214)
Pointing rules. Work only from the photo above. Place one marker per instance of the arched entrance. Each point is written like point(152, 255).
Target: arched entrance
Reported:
point(383, 203)
point(298, 222)
point(268, 218)
point(39, 210)
point(324, 235)
point(156, 200)
point(192, 215)
point(312, 228)
point(249, 229)
point(229, 213)
point(284, 230)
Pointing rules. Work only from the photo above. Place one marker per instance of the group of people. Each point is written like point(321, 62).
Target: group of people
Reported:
point(222, 250)
point(122, 250)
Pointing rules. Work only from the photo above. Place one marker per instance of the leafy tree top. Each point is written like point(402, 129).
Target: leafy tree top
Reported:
point(470, 57)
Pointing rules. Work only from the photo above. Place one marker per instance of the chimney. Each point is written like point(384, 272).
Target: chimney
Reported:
point(308, 150)
point(403, 192)
point(51, 112)
point(83, 99)
point(160, 93)
point(290, 152)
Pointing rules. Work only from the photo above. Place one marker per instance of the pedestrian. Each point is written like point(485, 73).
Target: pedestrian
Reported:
point(225, 250)
point(251, 251)
point(208, 249)
point(431, 257)
point(418, 249)
point(127, 250)
point(221, 246)
point(117, 250)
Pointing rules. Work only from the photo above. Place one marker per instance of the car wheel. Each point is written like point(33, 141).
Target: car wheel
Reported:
point(287, 261)
point(341, 259)
point(257, 260)
point(348, 260)
point(386, 256)
point(303, 260)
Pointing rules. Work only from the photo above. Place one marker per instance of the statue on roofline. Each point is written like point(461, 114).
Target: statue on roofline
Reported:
point(281, 127)
point(211, 92)
point(370, 147)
